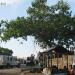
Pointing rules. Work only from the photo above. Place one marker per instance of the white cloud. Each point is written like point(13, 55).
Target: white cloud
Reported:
point(10, 2)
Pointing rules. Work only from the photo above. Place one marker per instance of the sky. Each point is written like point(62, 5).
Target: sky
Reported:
point(11, 9)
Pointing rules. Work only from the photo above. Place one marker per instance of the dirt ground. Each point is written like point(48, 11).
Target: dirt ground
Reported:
point(16, 71)
point(33, 74)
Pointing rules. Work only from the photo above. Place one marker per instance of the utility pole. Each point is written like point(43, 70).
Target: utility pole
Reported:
point(73, 49)
point(74, 58)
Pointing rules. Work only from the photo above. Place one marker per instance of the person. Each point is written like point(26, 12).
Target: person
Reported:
point(65, 69)
point(74, 69)
point(46, 71)
point(71, 70)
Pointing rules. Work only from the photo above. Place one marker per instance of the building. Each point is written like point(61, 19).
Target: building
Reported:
point(56, 56)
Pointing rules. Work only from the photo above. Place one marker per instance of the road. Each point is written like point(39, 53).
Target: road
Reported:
point(16, 71)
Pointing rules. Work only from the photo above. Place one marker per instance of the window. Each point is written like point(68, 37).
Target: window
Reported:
point(10, 58)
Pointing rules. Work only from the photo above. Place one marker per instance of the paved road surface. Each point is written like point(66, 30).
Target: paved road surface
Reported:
point(16, 71)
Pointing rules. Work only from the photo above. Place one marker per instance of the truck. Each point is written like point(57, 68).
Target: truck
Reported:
point(8, 61)
point(31, 65)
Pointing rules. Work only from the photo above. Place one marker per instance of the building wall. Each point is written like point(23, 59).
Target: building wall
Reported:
point(61, 62)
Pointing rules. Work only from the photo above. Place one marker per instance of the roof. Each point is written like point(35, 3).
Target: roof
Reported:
point(59, 50)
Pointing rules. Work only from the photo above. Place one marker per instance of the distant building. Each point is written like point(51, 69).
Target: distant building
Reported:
point(56, 56)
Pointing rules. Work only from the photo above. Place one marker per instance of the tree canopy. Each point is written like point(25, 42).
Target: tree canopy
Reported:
point(5, 51)
point(51, 25)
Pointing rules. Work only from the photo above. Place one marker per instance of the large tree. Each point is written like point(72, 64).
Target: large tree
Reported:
point(47, 23)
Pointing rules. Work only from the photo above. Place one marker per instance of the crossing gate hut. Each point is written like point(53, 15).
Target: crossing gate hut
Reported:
point(56, 56)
